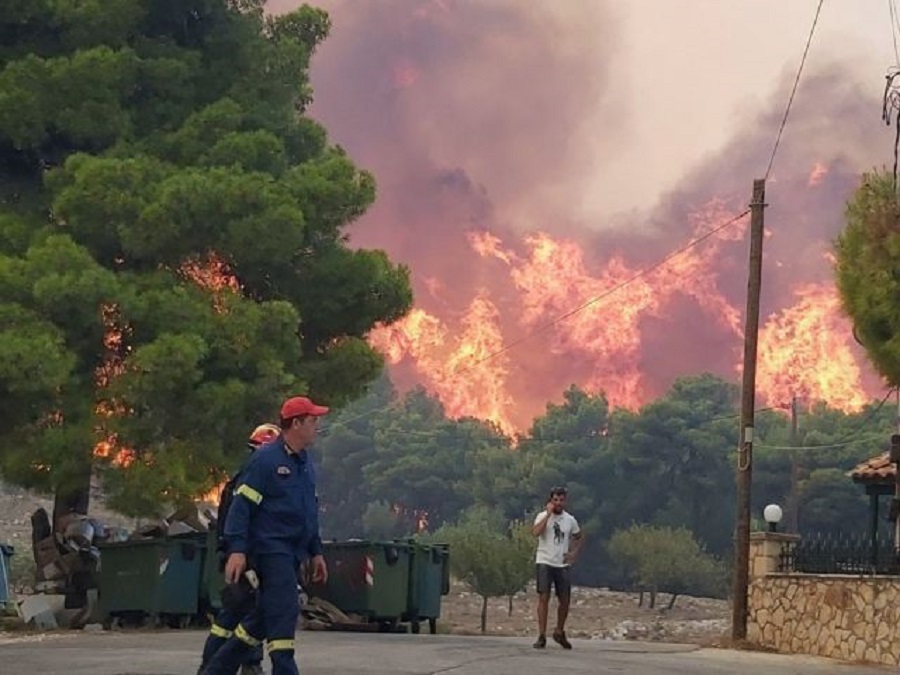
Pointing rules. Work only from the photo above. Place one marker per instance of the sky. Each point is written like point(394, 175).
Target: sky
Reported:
point(671, 79)
point(627, 128)
point(708, 63)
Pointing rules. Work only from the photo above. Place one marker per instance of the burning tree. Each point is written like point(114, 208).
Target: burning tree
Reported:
point(868, 260)
point(173, 255)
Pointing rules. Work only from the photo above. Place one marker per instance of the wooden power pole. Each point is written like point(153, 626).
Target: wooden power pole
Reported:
point(794, 506)
point(748, 401)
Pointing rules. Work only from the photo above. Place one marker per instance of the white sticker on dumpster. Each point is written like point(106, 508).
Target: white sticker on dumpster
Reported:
point(163, 566)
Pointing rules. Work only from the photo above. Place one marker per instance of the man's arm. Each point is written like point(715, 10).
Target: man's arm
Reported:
point(540, 523)
point(577, 543)
point(577, 539)
point(248, 495)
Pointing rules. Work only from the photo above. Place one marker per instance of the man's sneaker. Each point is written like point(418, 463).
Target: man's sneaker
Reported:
point(541, 642)
point(251, 669)
point(560, 637)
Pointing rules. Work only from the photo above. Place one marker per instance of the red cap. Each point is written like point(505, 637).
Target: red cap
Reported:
point(300, 405)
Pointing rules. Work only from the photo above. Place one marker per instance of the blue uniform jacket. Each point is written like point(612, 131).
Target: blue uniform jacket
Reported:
point(275, 508)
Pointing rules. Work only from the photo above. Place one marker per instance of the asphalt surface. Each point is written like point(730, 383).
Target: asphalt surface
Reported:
point(177, 653)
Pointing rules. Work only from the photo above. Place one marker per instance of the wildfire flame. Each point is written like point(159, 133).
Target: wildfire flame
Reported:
point(817, 175)
point(805, 351)
point(211, 273)
point(552, 278)
point(467, 374)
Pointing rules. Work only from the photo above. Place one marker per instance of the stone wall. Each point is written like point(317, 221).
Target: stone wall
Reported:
point(844, 617)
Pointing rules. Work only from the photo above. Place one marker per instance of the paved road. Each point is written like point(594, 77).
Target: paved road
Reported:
point(175, 653)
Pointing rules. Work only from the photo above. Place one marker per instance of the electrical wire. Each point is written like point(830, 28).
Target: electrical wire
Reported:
point(787, 110)
point(848, 438)
point(893, 10)
point(583, 306)
point(827, 446)
point(580, 308)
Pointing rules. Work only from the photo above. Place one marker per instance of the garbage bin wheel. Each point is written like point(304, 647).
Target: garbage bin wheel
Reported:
point(432, 626)
point(415, 627)
point(388, 626)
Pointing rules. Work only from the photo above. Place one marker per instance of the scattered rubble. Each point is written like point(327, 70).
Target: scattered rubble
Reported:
point(61, 590)
point(598, 614)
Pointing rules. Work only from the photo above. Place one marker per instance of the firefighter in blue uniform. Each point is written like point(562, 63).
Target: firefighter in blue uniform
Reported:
point(227, 618)
point(271, 528)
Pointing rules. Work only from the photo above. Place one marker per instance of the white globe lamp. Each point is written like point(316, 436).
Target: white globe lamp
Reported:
point(772, 515)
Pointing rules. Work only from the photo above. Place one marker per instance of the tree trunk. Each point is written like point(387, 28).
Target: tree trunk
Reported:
point(672, 600)
point(72, 497)
point(652, 599)
point(641, 599)
point(510, 605)
point(484, 601)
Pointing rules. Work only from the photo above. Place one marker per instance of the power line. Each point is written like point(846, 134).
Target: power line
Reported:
point(580, 308)
point(787, 110)
point(848, 439)
point(822, 447)
point(893, 10)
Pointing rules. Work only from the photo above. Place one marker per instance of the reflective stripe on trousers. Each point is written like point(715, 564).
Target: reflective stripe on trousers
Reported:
point(274, 619)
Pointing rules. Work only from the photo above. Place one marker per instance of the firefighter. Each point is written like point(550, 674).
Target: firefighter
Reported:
point(227, 618)
point(271, 529)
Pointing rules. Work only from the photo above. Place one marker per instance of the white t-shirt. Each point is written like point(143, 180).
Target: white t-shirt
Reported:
point(554, 541)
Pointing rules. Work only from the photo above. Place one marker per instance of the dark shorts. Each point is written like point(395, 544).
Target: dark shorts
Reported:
point(559, 577)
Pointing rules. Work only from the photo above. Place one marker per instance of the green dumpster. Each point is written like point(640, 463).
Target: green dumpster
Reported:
point(429, 580)
point(369, 579)
point(157, 579)
point(7, 601)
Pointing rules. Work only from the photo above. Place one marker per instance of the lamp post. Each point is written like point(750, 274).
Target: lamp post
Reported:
point(772, 515)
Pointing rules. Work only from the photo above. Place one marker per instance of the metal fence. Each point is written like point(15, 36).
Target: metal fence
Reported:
point(839, 554)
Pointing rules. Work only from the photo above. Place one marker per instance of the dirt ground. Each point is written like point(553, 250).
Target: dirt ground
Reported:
point(595, 613)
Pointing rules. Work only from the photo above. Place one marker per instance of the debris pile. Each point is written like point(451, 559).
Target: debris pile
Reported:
point(67, 561)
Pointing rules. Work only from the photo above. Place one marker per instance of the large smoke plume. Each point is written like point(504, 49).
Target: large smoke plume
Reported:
point(496, 116)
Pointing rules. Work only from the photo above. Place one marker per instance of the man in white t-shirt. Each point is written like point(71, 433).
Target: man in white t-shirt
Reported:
point(559, 541)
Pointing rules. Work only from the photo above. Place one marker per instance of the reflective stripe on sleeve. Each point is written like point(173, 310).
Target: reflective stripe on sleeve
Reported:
point(249, 493)
point(218, 631)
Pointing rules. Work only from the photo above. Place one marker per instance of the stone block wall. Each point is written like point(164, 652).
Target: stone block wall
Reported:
point(844, 617)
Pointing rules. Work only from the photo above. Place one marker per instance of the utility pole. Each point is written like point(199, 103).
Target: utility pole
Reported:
point(794, 506)
point(748, 401)
point(897, 484)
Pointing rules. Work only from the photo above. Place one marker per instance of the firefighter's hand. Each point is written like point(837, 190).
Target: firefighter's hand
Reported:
point(319, 570)
point(235, 567)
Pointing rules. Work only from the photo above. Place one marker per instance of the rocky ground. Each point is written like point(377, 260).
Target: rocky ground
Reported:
point(595, 613)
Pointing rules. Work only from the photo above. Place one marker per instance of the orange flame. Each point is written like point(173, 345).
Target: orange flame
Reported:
point(469, 377)
point(213, 494)
point(817, 175)
point(805, 351)
point(211, 273)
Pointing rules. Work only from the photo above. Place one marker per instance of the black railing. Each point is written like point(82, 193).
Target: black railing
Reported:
point(839, 554)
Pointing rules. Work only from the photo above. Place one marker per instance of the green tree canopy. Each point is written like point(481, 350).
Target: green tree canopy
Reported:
point(868, 260)
point(173, 255)
point(666, 559)
point(494, 558)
